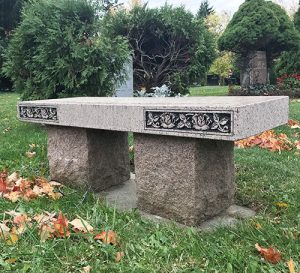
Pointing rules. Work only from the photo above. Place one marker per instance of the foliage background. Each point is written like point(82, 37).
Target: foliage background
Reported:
point(170, 46)
point(259, 25)
point(58, 50)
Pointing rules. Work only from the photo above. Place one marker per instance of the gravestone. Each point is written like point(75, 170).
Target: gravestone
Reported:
point(255, 69)
point(126, 89)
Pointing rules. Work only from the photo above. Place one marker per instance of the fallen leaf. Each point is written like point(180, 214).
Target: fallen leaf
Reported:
point(119, 256)
point(45, 218)
point(86, 269)
point(55, 184)
point(20, 219)
point(19, 230)
point(11, 260)
point(29, 194)
point(291, 266)
point(269, 254)
point(61, 226)
point(55, 195)
point(281, 204)
point(107, 237)
point(13, 178)
point(4, 174)
point(46, 232)
point(4, 231)
point(30, 154)
point(3, 187)
point(12, 239)
point(80, 225)
point(258, 226)
point(296, 126)
point(44, 185)
point(292, 122)
point(267, 140)
point(24, 184)
point(38, 191)
point(13, 196)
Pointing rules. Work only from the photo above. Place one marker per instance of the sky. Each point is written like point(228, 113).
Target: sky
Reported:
point(229, 6)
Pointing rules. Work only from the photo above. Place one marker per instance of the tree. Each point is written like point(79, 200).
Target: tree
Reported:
point(217, 22)
point(10, 11)
point(10, 14)
point(289, 61)
point(258, 25)
point(222, 66)
point(170, 46)
point(297, 19)
point(57, 51)
point(204, 10)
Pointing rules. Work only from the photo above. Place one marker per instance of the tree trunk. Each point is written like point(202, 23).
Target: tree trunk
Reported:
point(254, 69)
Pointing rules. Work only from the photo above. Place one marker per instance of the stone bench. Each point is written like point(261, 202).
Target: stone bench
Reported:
point(184, 147)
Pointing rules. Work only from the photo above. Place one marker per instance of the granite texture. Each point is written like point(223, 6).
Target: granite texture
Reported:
point(221, 118)
point(79, 157)
point(184, 179)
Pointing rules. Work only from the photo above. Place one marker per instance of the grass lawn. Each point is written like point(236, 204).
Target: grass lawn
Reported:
point(263, 178)
point(209, 91)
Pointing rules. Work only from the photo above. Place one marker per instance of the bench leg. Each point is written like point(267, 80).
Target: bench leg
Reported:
point(79, 156)
point(188, 180)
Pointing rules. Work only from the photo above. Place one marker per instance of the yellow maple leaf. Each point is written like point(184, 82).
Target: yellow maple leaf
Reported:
point(12, 239)
point(281, 204)
point(291, 266)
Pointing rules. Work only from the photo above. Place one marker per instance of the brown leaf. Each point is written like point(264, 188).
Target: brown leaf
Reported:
point(61, 226)
point(292, 122)
point(269, 254)
point(3, 186)
point(13, 196)
point(29, 194)
point(109, 237)
point(19, 230)
point(119, 256)
point(45, 218)
point(46, 232)
point(80, 225)
point(20, 219)
point(23, 184)
point(55, 195)
point(12, 179)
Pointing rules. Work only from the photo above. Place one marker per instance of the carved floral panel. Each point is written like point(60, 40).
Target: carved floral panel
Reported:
point(194, 121)
point(40, 113)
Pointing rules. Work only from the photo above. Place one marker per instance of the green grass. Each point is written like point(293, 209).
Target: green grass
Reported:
point(263, 178)
point(209, 91)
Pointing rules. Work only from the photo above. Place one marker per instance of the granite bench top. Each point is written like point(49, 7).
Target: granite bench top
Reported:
point(223, 118)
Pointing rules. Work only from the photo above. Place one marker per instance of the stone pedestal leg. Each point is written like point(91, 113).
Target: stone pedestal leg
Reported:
point(188, 180)
point(79, 156)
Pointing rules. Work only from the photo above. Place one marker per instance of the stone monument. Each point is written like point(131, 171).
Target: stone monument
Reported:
point(126, 89)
